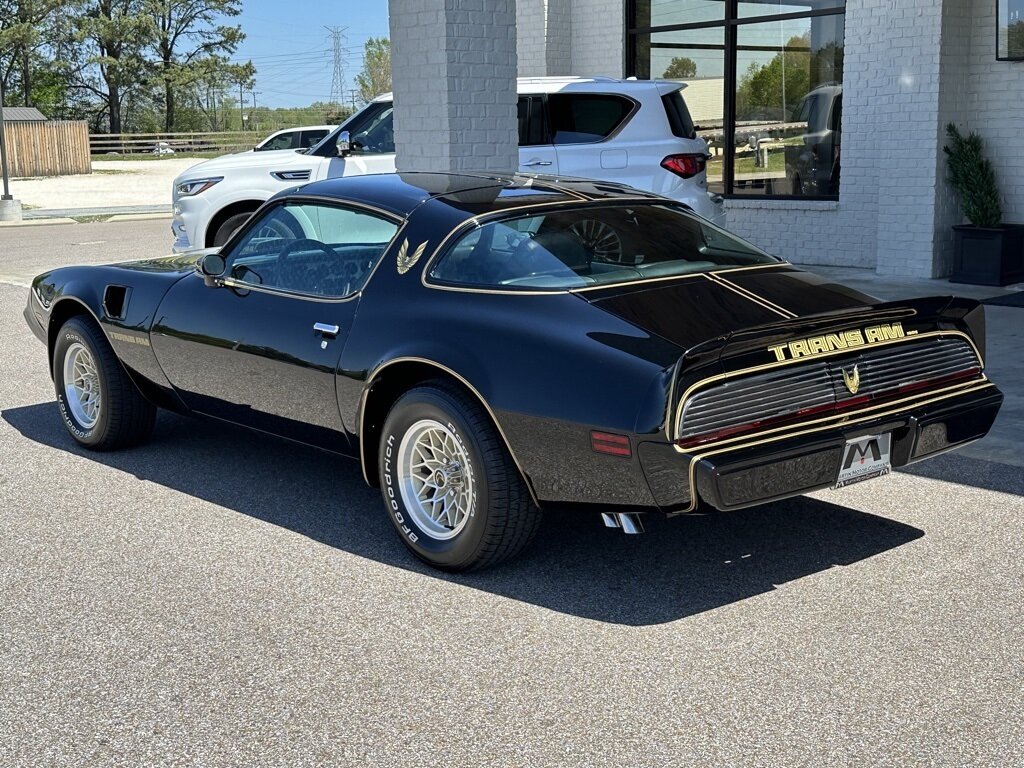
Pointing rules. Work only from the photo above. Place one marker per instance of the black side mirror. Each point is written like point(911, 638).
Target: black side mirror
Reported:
point(211, 266)
point(344, 144)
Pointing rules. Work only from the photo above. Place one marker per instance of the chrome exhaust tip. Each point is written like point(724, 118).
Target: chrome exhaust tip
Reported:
point(629, 522)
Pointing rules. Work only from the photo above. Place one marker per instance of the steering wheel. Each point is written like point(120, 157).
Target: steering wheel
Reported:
point(303, 243)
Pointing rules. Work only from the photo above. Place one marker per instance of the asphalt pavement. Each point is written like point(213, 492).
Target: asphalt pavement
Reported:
point(214, 599)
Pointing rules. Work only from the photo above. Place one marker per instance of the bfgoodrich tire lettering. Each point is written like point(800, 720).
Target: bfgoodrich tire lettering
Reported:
point(120, 416)
point(493, 518)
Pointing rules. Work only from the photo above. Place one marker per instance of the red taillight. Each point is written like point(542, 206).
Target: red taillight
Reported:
point(613, 445)
point(687, 166)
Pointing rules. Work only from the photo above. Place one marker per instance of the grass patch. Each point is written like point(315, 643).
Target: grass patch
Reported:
point(92, 219)
point(179, 156)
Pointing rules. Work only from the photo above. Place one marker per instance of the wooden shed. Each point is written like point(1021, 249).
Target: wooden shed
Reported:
point(40, 147)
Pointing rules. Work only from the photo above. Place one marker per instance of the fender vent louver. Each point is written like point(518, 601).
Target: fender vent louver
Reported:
point(291, 175)
point(115, 301)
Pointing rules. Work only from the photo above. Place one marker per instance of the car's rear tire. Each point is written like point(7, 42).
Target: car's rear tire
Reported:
point(229, 227)
point(450, 486)
point(100, 405)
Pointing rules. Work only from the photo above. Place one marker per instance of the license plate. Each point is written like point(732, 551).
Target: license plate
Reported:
point(865, 458)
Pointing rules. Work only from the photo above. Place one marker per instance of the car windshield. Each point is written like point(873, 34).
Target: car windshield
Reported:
point(580, 247)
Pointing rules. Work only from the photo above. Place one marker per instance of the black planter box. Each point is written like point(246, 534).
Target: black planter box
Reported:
point(983, 256)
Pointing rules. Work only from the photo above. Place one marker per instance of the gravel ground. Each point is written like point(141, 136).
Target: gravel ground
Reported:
point(112, 183)
point(214, 599)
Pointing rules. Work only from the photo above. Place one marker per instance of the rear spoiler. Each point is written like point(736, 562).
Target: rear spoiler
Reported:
point(766, 344)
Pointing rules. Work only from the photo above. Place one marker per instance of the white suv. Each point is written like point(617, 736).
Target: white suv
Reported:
point(635, 132)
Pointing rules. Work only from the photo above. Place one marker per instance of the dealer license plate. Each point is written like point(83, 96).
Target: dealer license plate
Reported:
point(864, 458)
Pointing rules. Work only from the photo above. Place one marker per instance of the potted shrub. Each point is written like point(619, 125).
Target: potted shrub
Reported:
point(986, 251)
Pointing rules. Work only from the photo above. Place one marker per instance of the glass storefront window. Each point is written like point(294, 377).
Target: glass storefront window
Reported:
point(766, 94)
point(749, 8)
point(788, 98)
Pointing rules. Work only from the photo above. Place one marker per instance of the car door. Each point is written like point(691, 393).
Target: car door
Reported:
point(262, 348)
point(581, 124)
point(536, 153)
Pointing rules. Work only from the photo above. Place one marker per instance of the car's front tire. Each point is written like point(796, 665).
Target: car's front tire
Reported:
point(450, 486)
point(99, 404)
point(229, 227)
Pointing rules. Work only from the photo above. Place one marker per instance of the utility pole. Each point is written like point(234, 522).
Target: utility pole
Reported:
point(3, 148)
point(338, 81)
point(10, 209)
point(241, 107)
point(254, 94)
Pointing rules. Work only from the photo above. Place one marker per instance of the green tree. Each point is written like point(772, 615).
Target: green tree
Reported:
point(681, 68)
point(118, 33)
point(189, 41)
point(375, 77)
point(24, 31)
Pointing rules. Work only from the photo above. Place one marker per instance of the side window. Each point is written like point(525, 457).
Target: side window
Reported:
point(311, 248)
point(531, 121)
point(375, 135)
point(582, 118)
point(284, 141)
point(310, 139)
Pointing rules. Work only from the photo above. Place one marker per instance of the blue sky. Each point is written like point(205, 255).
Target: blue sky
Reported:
point(287, 42)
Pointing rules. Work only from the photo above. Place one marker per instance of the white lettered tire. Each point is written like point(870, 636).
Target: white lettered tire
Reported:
point(450, 487)
point(99, 404)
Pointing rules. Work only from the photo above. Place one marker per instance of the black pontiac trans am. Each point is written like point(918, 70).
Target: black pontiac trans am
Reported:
point(490, 347)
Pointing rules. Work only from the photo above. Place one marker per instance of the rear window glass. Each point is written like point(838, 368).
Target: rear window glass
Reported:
point(580, 247)
point(678, 115)
point(579, 118)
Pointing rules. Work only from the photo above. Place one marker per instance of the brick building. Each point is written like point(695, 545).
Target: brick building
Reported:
point(826, 117)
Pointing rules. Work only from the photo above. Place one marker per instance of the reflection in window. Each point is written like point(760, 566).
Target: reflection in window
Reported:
point(769, 104)
point(788, 95)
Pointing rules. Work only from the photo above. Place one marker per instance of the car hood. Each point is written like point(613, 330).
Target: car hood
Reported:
point(277, 158)
point(693, 309)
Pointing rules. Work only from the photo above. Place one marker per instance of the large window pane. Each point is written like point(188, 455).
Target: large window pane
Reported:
point(788, 104)
point(748, 8)
point(696, 58)
point(662, 13)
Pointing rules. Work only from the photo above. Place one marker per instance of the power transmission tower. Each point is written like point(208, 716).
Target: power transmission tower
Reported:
point(338, 81)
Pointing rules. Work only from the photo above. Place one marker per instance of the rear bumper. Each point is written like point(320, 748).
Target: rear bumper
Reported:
point(775, 467)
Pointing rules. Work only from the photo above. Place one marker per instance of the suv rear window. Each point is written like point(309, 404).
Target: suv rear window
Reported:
point(679, 119)
point(580, 247)
point(580, 118)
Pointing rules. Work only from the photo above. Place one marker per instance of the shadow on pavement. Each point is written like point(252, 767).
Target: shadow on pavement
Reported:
point(680, 567)
point(965, 470)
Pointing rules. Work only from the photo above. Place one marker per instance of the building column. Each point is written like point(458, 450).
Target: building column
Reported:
point(453, 73)
point(925, 58)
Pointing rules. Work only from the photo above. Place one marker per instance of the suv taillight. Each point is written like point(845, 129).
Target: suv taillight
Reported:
point(687, 166)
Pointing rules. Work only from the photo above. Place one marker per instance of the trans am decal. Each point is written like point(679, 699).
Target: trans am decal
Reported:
point(834, 342)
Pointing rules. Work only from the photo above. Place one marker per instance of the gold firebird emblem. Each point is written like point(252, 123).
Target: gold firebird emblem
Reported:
point(852, 379)
point(407, 262)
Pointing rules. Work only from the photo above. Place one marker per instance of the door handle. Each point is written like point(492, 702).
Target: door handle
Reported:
point(325, 330)
point(532, 163)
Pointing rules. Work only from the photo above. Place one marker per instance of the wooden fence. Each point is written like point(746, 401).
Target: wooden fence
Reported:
point(189, 143)
point(54, 148)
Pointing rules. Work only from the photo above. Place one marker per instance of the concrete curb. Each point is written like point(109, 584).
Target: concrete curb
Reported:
point(36, 222)
point(139, 216)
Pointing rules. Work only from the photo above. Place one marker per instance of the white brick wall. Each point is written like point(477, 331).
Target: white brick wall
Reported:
point(598, 38)
point(911, 67)
point(995, 107)
point(570, 37)
point(453, 72)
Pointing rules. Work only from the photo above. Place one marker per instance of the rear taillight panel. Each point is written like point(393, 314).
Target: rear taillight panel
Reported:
point(686, 165)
